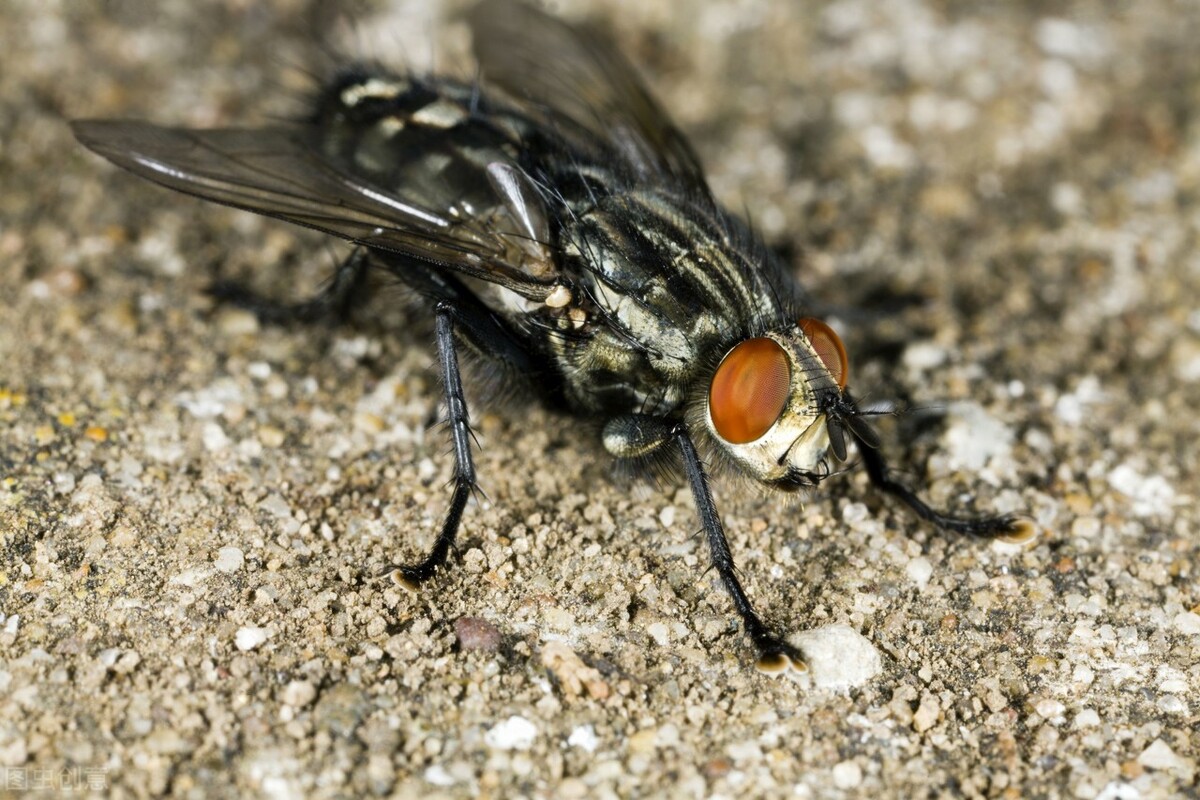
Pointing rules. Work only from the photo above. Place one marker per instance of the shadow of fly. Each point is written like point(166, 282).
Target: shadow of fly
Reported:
point(563, 231)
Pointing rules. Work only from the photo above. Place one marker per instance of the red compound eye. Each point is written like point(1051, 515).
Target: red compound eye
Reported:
point(749, 390)
point(829, 347)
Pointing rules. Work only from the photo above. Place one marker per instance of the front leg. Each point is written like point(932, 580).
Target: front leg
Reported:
point(643, 436)
point(774, 654)
point(1005, 527)
point(411, 576)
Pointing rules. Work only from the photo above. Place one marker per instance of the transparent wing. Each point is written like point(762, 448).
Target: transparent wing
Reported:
point(278, 173)
point(583, 78)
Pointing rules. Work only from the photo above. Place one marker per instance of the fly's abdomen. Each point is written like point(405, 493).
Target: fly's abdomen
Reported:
point(430, 143)
point(444, 146)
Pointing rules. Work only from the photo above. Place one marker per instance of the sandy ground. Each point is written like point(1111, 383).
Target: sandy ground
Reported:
point(194, 506)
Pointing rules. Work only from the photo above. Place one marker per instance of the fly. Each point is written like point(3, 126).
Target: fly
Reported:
point(563, 231)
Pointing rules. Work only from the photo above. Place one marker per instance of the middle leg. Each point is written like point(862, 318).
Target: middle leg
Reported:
point(411, 576)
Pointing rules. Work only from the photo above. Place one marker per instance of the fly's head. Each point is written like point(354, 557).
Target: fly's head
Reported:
point(777, 404)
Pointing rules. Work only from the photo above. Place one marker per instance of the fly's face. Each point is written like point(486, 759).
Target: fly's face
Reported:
point(775, 401)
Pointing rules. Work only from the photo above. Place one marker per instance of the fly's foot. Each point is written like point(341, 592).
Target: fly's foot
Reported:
point(1007, 528)
point(1020, 531)
point(410, 576)
point(776, 657)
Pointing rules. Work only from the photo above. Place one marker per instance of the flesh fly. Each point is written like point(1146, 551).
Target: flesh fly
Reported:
point(562, 230)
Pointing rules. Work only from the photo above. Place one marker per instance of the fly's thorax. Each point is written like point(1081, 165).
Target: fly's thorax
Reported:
point(670, 274)
point(765, 407)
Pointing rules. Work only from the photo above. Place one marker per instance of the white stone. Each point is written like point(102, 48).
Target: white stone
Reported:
point(974, 437)
point(1172, 704)
point(1050, 709)
point(1159, 755)
point(919, 571)
point(514, 733)
point(924, 356)
point(1119, 791)
point(584, 737)
point(249, 637)
point(666, 517)
point(1187, 623)
point(299, 693)
point(847, 775)
point(744, 751)
point(229, 559)
point(1083, 675)
point(838, 656)
point(659, 633)
point(1151, 495)
point(214, 437)
point(438, 776)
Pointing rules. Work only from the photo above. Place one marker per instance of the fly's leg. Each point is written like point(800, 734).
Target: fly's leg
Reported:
point(1006, 527)
point(641, 436)
point(476, 326)
point(774, 654)
point(334, 300)
point(411, 576)
point(636, 436)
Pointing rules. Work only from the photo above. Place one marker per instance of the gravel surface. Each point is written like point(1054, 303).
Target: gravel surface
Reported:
point(1000, 204)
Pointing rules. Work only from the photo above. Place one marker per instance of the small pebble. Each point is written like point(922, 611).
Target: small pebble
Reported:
point(573, 674)
point(514, 733)
point(298, 694)
point(838, 656)
point(229, 559)
point(659, 633)
point(1159, 755)
point(919, 571)
point(476, 633)
point(584, 737)
point(214, 437)
point(438, 776)
point(926, 715)
point(666, 516)
point(1050, 709)
point(236, 322)
point(1172, 704)
point(1187, 623)
point(249, 638)
point(847, 775)
point(271, 436)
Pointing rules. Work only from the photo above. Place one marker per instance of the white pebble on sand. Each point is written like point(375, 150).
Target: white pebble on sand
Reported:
point(974, 437)
point(584, 737)
point(919, 571)
point(838, 656)
point(847, 775)
point(249, 637)
point(514, 733)
point(229, 559)
point(1187, 623)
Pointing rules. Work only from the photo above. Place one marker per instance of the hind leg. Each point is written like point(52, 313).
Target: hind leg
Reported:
point(334, 301)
